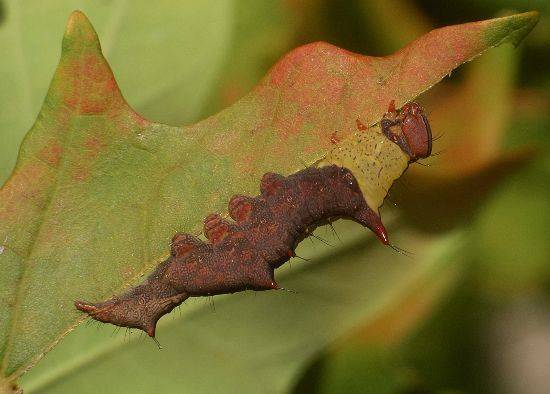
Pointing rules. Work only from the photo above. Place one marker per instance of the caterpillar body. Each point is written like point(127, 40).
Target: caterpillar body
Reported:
point(351, 183)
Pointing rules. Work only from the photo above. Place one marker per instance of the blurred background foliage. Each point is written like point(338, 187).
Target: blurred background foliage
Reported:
point(469, 312)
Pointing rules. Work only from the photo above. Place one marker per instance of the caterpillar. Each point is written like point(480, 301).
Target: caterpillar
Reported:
point(243, 254)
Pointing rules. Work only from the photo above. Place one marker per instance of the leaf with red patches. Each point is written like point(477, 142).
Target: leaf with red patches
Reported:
point(98, 190)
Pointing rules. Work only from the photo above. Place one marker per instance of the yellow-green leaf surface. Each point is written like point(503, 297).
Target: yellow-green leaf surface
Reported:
point(98, 190)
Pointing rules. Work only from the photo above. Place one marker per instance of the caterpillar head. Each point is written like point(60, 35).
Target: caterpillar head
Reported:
point(409, 128)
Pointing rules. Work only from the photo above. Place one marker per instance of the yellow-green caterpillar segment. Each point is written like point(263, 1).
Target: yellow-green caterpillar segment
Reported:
point(379, 155)
point(375, 161)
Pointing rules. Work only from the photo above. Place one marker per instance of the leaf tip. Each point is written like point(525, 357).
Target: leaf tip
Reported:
point(79, 31)
point(513, 28)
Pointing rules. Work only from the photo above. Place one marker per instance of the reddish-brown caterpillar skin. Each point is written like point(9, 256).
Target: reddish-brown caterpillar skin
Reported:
point(242, 255)
point(413, 132)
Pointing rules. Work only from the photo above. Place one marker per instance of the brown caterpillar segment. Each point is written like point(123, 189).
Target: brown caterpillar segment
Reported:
point(270, 183)
point(239, 208)
point(244, 254)
point(216, 228)
point(183, 243)
point(140, 307)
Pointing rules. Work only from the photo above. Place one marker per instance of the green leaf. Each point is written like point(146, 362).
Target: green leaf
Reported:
point(98, 191)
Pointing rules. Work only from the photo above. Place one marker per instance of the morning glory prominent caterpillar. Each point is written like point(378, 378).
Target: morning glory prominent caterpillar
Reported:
point(351, 183)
